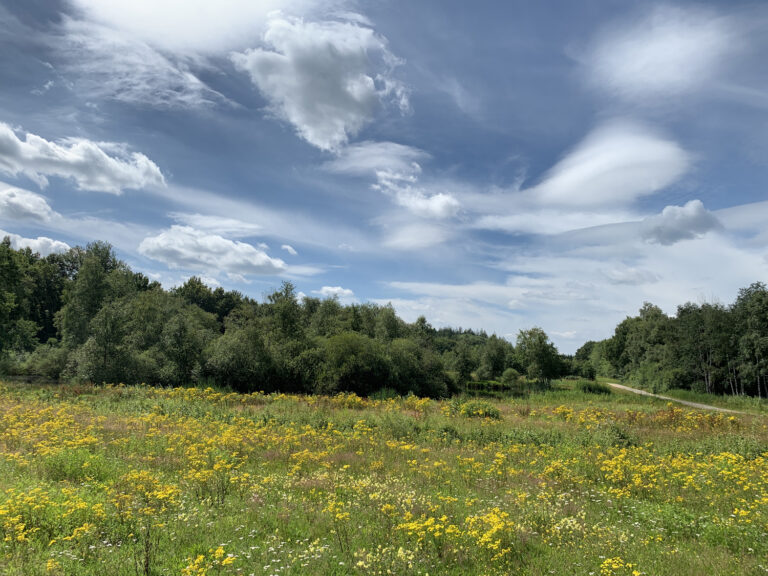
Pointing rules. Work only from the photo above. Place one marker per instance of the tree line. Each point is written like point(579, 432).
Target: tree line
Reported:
point(84, 315)
point(708, 347)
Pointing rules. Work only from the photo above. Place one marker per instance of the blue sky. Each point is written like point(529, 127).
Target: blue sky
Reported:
point(496, 167)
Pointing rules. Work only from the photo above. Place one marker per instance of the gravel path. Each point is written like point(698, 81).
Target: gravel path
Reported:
point(685, 402)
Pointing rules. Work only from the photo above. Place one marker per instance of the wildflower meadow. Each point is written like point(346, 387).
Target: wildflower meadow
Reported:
point(132, 480)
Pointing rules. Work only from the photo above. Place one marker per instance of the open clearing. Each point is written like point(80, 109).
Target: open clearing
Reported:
point(130, 480)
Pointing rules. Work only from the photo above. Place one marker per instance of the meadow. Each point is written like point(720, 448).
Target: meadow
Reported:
point(132, 480)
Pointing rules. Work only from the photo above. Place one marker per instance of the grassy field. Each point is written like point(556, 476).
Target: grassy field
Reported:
point(129, 480)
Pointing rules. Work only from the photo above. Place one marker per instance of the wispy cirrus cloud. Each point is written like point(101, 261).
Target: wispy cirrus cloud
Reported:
point(106, 63)
point(151, 54)
point(224, 225)
point(397, 170)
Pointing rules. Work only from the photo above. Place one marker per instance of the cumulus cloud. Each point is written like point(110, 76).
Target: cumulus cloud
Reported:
point(438, 205)
point(676, 223)
point(616, 163)
point(667, 52)
point(187, 248)
point(290, 249)
point(42, 244)
point(334, 292)
point(325, 78)
point(20, 204)
point(94, 166)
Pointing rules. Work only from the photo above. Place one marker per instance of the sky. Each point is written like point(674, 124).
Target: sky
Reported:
point(495, 166)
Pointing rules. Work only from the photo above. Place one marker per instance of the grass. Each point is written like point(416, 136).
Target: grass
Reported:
point(743, 403)
point(128, 480)
point(593, 387)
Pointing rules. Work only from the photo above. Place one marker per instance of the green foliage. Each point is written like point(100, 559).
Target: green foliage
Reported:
point(476, 409)
point(353, 363)
point(240, 360)
point(708, 348)
point(593, 387)
point(101, 322)
point(538, 355)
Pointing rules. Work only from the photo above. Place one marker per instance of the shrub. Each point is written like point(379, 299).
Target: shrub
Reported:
point(510, 377)
point(479, 409)
point(593, 387)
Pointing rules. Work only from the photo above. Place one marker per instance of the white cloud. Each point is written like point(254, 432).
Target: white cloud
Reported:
point(676, 223)
point(290, 249)
point(94, 166)
point(615, 164)
point(587, 291)
point(335, 292)
point(186, 248)
point(531, 220)
point(190, 26)
point(630, 276)
point(397, 170)
point(457, 313)
point(668, 52)
point(594, 186)
point(325, 78)
point(209, 281)
point(291, 226)
point(218, 224)
point(42, 244)
point(20, 204)
point(108, 63)
point(568, 334)
point(415, 236)
point(148, 53)
point(439, 206)
point(371, 158)
point(747, 219)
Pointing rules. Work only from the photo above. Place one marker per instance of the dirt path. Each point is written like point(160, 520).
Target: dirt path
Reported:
point(684, 402)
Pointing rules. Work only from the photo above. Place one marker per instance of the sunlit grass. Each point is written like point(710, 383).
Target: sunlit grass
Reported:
point(130, 480)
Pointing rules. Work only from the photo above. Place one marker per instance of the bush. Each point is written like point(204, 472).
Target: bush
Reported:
point(479, 409)
point(47, 361)
point(511, 377)
point(354, 363)
point(593, 387)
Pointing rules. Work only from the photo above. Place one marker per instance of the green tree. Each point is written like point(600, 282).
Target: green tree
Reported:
point(494, 358)
point(538, 355)
point(751, 309)
point(240, 359)
point(354, 363)
point(84, 297)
